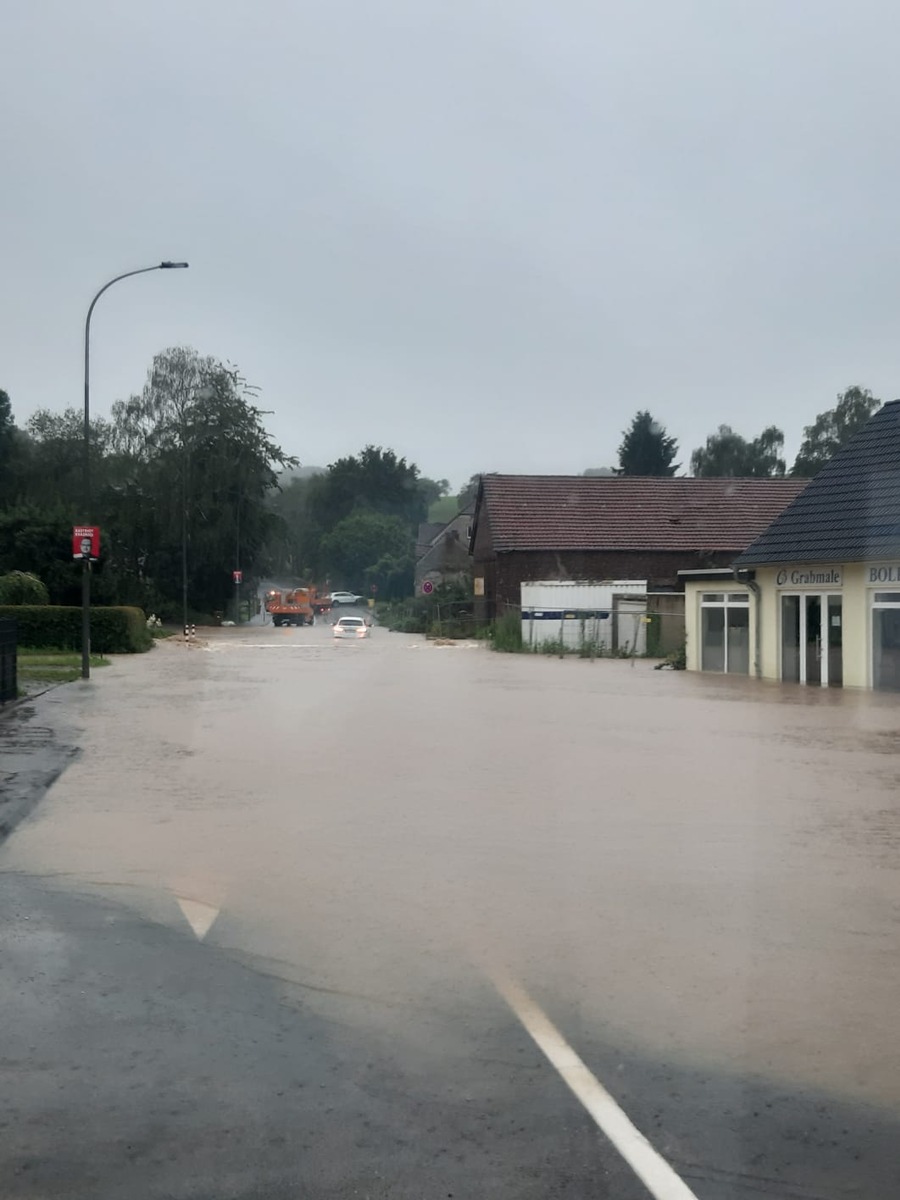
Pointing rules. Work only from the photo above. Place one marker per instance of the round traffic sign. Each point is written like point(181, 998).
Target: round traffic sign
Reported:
point(427, 587)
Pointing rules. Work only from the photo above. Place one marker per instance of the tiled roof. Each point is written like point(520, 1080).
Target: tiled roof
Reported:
point(577, 512)
point(426, 534)
point(850, 511)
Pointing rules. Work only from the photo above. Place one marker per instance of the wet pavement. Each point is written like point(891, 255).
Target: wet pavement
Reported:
point(34, 751)
point(695, 879)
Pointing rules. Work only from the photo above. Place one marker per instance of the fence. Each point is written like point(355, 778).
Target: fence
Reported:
point(650, 624)
point(619, 618)
point(8, 681)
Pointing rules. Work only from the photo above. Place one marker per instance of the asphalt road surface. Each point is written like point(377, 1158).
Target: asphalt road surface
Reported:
point(390, 919)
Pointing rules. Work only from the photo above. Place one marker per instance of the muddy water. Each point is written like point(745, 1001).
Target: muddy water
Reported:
point(704, 868)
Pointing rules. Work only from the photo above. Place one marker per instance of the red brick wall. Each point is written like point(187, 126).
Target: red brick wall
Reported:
point(506, 572)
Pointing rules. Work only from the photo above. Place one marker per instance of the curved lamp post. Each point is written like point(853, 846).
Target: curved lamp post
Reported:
point(86, 562)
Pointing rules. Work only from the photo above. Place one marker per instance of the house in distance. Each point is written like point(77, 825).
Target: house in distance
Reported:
point(575, 529)
point(818, 591)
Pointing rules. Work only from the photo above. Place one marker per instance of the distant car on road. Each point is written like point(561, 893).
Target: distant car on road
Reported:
point(351, 627)
point(345, 598)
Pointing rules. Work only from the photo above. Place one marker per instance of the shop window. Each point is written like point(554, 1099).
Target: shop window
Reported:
point(790, 639)
point(725, 632)
point(886, 641)
point(712, 637)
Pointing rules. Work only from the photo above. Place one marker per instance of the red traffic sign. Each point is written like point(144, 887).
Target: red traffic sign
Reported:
point(427, 587)
point(237, 576)
point(85, 541)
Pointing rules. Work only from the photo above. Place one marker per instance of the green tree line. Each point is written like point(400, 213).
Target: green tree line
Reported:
point(188, 485)
point(180, 476)
point(186, 482)
point(647, 448)
point(354, 525)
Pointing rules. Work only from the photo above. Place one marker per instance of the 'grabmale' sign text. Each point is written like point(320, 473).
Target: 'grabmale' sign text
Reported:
point(809, 577)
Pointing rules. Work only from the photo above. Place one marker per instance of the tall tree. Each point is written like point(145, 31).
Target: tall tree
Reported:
point(56, 458)
point(375, 479)
point(646, 449)
point(194, 469)
point(727, 453)
point(7, 428)
point(468, 492)
point(433, 489)
point(833, 429)
point(369, 547)
point(10, 451)
point(293, 546)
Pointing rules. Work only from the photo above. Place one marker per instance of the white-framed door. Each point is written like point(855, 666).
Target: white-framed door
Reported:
point(812, 638)
point(885, 640)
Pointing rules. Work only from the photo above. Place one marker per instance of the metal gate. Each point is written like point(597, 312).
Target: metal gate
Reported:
point(8, 684)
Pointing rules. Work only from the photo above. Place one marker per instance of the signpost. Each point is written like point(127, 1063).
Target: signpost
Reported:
point(86, 546)
point(237, 578)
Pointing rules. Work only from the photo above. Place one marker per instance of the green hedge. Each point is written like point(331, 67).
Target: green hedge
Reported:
point(113, 630)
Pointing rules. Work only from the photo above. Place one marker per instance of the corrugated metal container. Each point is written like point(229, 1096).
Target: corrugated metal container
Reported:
point(607, 616)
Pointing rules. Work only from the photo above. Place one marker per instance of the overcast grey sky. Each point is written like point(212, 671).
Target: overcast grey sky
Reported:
point(482, 232)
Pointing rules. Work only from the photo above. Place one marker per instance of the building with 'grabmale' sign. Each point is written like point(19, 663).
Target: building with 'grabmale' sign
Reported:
point(815, 599)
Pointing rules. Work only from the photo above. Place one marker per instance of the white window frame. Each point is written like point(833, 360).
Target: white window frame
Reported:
point(881, 589)
point(834, 593)
point(728, 601)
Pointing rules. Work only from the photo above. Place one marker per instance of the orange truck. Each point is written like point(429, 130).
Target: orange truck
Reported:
point(296, 607)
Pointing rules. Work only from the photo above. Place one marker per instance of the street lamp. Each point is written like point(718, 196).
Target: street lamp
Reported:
point(86, 562)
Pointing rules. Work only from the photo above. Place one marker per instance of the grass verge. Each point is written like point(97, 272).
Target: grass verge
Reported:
point(52, 666)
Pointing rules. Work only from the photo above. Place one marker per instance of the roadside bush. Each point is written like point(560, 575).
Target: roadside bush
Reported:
point(506, 633)
point(676, 661)
point(406, 623)
point(447, 612)
point(21, 587)
point(113, 630)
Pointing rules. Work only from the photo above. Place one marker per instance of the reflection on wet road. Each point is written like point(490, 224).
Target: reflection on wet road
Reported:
point(695, 875)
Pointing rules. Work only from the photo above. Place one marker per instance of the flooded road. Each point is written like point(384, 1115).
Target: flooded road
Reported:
point(695, 880)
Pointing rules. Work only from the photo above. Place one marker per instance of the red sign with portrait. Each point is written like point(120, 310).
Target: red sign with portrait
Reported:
point(86, 541)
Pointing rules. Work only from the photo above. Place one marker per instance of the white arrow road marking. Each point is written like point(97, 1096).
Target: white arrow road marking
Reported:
point(198, 915)
point(650, 1167)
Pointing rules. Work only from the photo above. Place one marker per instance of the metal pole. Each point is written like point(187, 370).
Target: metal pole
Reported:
point(184, 553)
point(86, 562)
point(237, 554)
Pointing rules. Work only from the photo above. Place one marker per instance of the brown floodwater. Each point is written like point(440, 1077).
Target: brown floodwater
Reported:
point(706, 867)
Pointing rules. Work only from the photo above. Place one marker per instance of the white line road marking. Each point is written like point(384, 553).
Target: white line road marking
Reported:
point(649, 1166)
point(198, 915)
point(272, 646)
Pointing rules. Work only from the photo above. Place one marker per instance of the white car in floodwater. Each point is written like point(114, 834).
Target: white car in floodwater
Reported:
point(351, 627)
point(337, 598)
